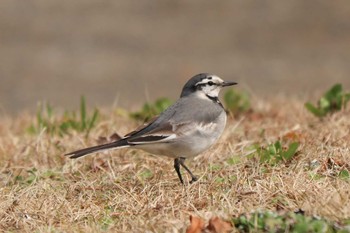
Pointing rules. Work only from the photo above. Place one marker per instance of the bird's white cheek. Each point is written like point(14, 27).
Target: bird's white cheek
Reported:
point(211, 91)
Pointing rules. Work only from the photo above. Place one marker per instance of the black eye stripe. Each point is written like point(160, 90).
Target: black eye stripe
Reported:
point(210, 83)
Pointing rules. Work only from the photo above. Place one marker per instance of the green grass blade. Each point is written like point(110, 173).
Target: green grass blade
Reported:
point(292, 149)
point(82, 113)
point(92, 121)
point(346, 98)
point(316, 111)
point(236, 101)
point(39, 117)
point(334, 91)
point(49, 111)
point(278, 147)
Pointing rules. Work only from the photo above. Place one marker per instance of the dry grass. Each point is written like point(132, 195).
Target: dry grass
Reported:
point(130, 191)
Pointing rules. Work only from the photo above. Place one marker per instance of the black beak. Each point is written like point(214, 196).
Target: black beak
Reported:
point(225, 84)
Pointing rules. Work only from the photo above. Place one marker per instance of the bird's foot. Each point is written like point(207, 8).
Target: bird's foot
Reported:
point(194, 179)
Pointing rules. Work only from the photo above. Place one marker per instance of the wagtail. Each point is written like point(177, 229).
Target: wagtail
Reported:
point(184, 130)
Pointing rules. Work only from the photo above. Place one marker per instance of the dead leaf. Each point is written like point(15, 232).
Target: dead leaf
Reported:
point(217, 225)
point(98, 164)
point(255, 116)
point(293, 136)
point(112, 138)
point(197, 225)
point(115, 137)
point(101, 140)
point(115, 214)
point(335, 164)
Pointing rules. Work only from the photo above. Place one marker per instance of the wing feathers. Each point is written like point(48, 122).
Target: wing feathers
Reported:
point(149, 139)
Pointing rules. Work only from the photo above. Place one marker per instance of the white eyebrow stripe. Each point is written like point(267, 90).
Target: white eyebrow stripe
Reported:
point(204, 81)
point(215, 79)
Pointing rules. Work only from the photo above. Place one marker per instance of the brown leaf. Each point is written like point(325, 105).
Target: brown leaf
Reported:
point(293, 136)
point(216, 225)
point(98, 164)
point(101, 140)
point(115, 137)
point(197, 225)
point(112, 138)
point(254, 116)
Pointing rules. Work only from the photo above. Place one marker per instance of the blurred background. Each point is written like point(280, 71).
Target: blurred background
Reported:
point(127, 52)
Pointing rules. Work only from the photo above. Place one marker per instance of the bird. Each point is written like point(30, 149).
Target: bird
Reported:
point(184, 130)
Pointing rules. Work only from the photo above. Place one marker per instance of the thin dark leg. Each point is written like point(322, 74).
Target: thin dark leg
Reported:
point(181, 161)
point(177, 169)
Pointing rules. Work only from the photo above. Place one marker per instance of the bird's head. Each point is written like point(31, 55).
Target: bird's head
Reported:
point(205, 85)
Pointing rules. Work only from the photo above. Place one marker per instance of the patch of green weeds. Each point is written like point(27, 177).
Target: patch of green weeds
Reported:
point(269, 221)
point(145, 174)
point(51, 175)
point(29, 178)
point(106, 223)
point(33, 176)
point(149, 110)
point(46, 119)
point(275, 153)
point(333, 100)
point(233, 178)
point(344, 174)
point(220, 180)
point(315, 176)
point(233, 160)
point(237, 101)
point(330, 167)
point(108, 219)
point(214, 167)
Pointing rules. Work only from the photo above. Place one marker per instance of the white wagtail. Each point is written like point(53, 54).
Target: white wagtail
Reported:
point(184, 130)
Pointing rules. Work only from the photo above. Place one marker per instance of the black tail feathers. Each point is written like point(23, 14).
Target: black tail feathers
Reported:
point(94, 149)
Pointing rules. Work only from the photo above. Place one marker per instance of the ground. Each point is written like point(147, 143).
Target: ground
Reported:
point(132, 191)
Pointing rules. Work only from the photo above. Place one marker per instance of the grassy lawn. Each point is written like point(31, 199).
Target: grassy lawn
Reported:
point(132, 191)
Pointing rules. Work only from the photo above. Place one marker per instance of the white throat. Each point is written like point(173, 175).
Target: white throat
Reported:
point(203, 95)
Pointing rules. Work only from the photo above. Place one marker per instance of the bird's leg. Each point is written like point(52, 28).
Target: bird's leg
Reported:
point(177, 169)
point(181, 161)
